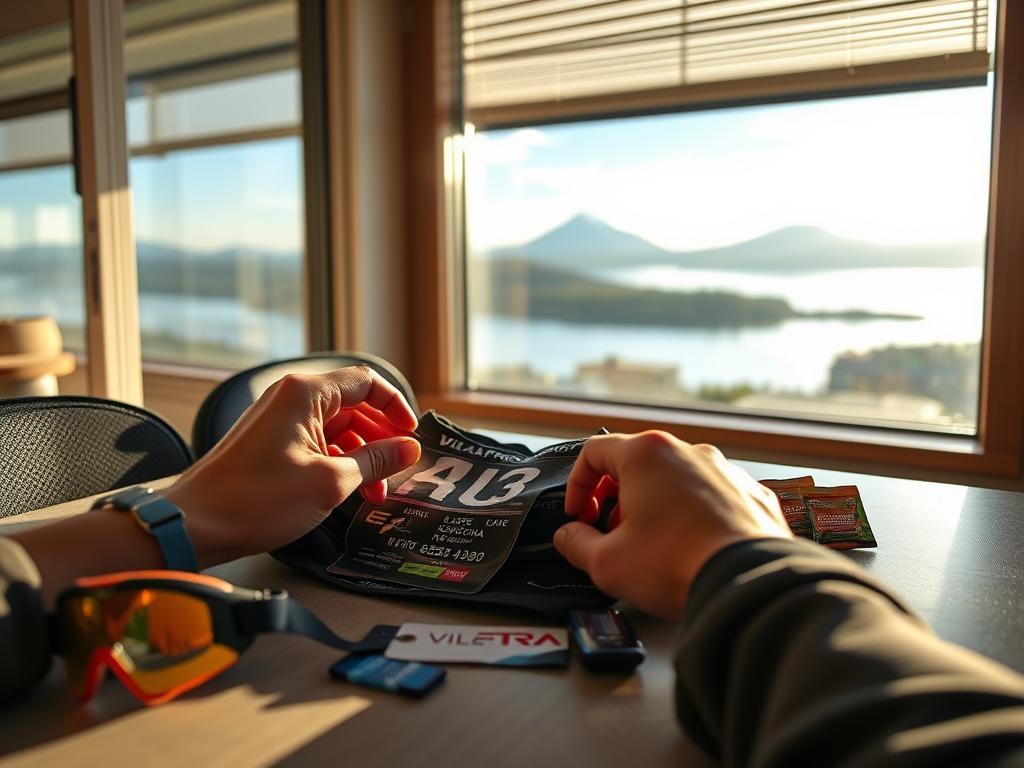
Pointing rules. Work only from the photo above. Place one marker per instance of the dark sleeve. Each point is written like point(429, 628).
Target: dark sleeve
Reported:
point(24, 652)
point(794, 656)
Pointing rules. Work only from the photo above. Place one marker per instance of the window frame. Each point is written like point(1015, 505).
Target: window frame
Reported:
point(112, 367)
point(994, 454)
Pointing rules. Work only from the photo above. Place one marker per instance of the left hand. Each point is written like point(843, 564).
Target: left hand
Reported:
point(297, 453)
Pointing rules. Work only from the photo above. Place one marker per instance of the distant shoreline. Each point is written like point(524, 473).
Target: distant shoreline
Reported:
point(523, 288)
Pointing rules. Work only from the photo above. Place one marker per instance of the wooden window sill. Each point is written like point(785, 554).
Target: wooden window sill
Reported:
point(760, 438)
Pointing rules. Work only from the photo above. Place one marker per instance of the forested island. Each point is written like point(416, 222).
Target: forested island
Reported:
point(514, 287)
point(262, 281)
point(507, 287)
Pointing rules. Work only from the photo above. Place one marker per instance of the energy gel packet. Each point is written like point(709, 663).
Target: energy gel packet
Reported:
point(838, 517)
point(793, 508)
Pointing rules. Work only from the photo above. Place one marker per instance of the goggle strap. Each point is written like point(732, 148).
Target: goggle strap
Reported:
point(277, 613)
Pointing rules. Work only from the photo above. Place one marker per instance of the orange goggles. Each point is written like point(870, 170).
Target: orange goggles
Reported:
point(163, 632)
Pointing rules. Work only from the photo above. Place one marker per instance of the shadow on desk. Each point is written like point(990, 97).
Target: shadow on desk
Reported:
point(279, 707)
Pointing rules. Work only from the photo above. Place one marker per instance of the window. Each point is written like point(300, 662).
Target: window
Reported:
point(214, 120)
point(41, 249)
point(219, 246)
point(40, 214)
point(544, 82)
point(213, 117)
point(821, 259)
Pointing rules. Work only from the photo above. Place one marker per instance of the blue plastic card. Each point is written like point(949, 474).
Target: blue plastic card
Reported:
point(409, 678)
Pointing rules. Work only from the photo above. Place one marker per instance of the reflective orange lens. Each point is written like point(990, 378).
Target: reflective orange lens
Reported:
point(159, 642)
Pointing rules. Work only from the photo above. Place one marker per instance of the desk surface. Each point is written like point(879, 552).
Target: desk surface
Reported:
point(953, 552)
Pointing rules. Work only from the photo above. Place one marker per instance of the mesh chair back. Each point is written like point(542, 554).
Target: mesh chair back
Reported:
point(232, 397)
point(57, 449)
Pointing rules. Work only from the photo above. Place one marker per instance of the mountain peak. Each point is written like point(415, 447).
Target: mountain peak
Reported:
point(795, 236)
point(585, 237)
point(586, 241)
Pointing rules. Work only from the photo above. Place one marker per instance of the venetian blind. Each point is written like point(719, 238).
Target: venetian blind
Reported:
point(537, 59)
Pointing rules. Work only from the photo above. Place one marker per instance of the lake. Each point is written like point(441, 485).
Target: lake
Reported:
point(793, 356)
point(209, 330)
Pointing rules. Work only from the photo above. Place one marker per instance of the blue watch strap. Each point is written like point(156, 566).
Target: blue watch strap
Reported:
point(159, 517)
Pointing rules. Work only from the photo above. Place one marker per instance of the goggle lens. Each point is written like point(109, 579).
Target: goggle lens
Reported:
point(159, 642)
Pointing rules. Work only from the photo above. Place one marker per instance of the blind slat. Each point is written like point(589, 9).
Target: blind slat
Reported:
point(903, 10)
point(909, 28)
point(535, 52)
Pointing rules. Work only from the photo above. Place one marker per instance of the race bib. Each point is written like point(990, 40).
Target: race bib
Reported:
point(450, 521)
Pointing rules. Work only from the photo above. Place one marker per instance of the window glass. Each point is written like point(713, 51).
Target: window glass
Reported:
point(219, 244)
point(819, 260)
point(260, 102)
point(35, 140)
point(41, 270)
point(41, 249)
point(214, 120)
point(213, 117)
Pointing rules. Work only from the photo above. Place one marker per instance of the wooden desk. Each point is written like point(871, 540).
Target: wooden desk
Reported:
point(952, 552)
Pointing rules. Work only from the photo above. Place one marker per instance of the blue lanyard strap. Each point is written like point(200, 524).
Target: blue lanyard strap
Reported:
point(276, 612)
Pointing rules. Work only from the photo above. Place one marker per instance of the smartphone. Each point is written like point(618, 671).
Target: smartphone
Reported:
point(410, 678)
point(606, 641)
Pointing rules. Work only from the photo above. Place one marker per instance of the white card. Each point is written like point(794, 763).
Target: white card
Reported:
point(506, 646)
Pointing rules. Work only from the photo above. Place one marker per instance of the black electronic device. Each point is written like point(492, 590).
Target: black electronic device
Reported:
point(605, 639)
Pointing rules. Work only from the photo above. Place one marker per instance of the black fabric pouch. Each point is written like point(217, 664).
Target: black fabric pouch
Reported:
point(477, 474)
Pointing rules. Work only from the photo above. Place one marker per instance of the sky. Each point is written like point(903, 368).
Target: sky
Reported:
point(906, 168)
point(216, 198)
point(203, 200)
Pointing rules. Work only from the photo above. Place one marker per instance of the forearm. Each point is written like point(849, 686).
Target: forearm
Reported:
point(37, 564)
point(792, 655)
point(49, 559)
point(107, 540)
point(96, 542)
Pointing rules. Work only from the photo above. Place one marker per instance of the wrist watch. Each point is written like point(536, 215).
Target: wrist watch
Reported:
point(161, 519)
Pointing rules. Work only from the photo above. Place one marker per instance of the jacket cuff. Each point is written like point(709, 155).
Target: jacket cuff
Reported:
point(748, 559)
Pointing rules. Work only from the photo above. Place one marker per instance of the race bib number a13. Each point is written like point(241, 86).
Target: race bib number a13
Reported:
point(450, 521)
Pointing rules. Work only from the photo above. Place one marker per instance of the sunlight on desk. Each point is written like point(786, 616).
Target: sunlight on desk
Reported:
point(928, 516)
point(235, 728)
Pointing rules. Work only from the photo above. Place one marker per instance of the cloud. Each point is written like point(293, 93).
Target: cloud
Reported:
point(895, 169)
point(511, 149)
point(55, 225)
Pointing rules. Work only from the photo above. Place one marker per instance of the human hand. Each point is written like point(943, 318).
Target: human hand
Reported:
point(299, 451)
point(678, 504)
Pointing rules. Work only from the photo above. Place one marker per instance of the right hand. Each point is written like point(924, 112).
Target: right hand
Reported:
point(678, 504)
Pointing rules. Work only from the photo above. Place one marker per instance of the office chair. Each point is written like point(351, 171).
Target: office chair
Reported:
point(61, 448)
point(233, 396)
